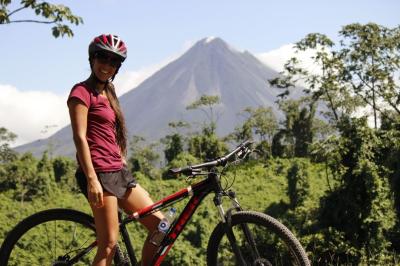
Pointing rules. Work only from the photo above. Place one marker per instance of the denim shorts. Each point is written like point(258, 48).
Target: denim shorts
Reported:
point(116, 183)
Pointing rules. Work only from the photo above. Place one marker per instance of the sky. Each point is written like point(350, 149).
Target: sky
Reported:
point(37, 70)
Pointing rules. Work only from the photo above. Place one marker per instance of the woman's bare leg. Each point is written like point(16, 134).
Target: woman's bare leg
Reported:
point(107, 229)
point(137, 198)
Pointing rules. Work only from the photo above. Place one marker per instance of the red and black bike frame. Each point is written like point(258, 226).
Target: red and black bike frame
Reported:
point(197, 192)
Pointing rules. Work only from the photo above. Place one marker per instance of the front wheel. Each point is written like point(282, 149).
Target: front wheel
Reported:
point(54, 237)
point(254, 239)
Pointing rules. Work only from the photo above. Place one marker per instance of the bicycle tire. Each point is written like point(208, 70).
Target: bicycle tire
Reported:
point(274, 242)
point(34, 232)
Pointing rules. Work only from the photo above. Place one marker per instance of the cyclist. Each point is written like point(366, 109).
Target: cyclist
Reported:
point(99, 135)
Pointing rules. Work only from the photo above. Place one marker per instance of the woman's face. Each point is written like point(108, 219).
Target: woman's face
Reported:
point(105, 65)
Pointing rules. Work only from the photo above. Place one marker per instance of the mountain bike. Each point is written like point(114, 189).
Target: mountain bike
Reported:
point(60, 237)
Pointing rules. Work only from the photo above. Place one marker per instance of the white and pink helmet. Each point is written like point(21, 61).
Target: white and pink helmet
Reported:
point(108, 43)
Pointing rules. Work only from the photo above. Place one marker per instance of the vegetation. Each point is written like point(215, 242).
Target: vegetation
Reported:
point(332, 178)
point(51, 14)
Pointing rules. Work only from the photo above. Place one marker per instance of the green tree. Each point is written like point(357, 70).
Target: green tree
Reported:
point(361, 72)
point(144, 158)
point(183, 159)
point(298, 183)
point(54, 14)
point(371, 57)
point(297, 134)
point(44, 180)
point(282, 144)
point(6, 153)
point(21, 174)
point(361, 206)
point(324, 86)
point(242, 132)
point(261, 124)
point(174, 142)
point(389, 154)
point(206, 146)
point(174, 146)
point(264, 122)
point(64, 173)
point(303, 131)
point(206, 104)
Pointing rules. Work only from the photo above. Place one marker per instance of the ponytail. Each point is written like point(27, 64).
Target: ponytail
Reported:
point(120, 127)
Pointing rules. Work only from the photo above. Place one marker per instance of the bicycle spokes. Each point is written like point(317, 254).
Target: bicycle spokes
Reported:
point(53, 243)
point(253, 246)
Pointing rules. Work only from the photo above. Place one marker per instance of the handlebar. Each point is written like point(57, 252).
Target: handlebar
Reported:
point(220, 161)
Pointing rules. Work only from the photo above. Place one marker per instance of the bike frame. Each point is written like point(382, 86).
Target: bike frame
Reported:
point(197, 192)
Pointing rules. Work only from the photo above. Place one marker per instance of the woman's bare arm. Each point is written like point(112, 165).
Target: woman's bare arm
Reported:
point(78, 113)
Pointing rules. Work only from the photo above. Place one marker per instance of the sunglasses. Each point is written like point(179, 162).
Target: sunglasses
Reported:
point(105, 58)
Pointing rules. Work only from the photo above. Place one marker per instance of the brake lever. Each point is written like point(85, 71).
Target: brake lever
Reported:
point(243, 153)
point(195, 172)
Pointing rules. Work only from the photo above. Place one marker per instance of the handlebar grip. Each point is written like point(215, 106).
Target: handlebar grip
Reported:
point(176, 171)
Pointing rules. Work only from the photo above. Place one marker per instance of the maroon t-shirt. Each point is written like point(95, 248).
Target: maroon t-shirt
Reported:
point(100, 134)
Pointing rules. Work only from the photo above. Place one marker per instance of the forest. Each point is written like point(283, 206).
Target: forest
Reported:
point(329, 170)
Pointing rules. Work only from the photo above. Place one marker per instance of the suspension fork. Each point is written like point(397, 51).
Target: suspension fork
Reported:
point(227, 224)
point(249, 236)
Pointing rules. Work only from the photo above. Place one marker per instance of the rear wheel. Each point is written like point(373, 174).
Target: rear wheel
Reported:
point(260, 240)
point(51, 237)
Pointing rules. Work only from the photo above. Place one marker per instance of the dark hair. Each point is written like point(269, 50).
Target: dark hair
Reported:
point(120, 127)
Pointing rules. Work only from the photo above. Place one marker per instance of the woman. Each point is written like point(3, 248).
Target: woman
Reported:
point(99, 135)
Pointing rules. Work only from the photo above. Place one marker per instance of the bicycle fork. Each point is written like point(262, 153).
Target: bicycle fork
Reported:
point(226, 218)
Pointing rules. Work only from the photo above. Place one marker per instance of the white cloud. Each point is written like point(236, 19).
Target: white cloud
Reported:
point(32, 115)
point(278, 57)
point(128, 80)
